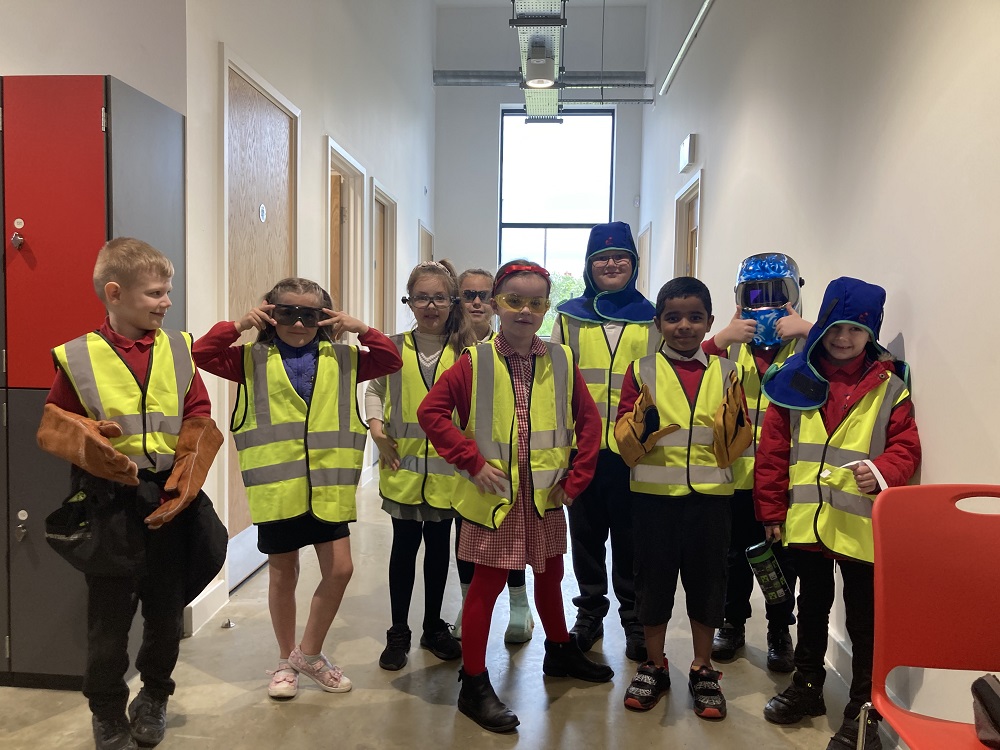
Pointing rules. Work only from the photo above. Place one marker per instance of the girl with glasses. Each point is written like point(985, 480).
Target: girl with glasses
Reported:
point(416, 485)
point(476, 291)
point(297, 388)
point(518, 403)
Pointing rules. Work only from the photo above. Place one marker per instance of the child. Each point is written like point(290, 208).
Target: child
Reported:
point(301, 447)
point(681, 498)
point(475, 286)
point(766, 330)
point(129, 409)
point(607, 328)
point(415, 484)
point(840, 429)
point(517, 400)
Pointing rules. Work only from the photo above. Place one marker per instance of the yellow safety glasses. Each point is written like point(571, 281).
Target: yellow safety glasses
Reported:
point(516, 302)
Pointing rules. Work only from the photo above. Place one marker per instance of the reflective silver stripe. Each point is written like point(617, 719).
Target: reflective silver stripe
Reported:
point(426, 465)
point(297, 470)
point(560, 371)
point(655, 342)
point(794, 423)
point(485, 363)
point(647, 374)
point(573, 340)
point(344, 365)
point(395, 426)
point(828, 454)
point(649, 474)
point(270, 434)
point(602, 409)
point(332, 440)
point(676, 439)
point(335, 477)
point(893, 390)
point(408, 430)
point(847, 502)
point(617, 378)
point(592, 376)
point(754, 415)
point(82, 369)
point(261, 395)
point(547, 478)
point(183, 364)
point(132, 424)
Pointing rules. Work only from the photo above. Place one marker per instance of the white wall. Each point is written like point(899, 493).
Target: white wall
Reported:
point(468, 118)
point(861, 139)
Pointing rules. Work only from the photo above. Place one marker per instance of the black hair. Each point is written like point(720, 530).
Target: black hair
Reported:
point(683, 286)
point(296, 285)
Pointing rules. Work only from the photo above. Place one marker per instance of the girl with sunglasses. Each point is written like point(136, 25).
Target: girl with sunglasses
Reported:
point(475, 287)
point(416, 485)
point(297, 391)
point(505, 416)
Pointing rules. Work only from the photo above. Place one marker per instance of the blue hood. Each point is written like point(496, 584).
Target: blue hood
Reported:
point(626, 305)
point(797, 384)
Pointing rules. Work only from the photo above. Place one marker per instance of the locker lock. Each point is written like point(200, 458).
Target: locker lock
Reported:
point(16, 240)
point(20, 531)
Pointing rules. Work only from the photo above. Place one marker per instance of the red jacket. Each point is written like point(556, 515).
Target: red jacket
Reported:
point(848, 385)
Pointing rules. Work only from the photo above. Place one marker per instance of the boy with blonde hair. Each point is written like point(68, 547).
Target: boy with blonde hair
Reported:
point(130, 412)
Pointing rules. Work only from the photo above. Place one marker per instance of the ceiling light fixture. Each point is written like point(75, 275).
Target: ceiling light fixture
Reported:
point(540, 71)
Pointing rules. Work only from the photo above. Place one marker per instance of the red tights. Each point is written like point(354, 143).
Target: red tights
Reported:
point(487, 583)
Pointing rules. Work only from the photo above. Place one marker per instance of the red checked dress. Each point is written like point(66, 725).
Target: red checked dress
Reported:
point(523, 538)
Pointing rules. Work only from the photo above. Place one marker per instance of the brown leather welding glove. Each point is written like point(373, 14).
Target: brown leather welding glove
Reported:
point(197, 445)
point(638, 431)
point(84, 442)
point(733, 432)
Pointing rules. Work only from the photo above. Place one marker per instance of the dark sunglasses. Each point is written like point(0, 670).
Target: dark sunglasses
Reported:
point(470, 295)
point(289, 315)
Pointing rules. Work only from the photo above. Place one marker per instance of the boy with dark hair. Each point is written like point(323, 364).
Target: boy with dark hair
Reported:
point(840, 429)
point(680, 493)
point(130, 412)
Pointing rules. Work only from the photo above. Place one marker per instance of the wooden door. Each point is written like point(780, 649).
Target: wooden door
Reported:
point(337, 221)
point(261, 202)
point(379, 265)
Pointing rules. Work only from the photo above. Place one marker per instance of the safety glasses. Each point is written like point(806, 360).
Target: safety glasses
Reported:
point(517, 302)
point(470, 295)
point(289, 315)
point(422, 301)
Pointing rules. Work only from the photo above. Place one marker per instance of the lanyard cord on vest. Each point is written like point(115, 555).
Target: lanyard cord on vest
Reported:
point(142, 388)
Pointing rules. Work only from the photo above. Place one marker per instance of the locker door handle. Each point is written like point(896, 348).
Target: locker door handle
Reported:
point(20, 531)
point(16, 240)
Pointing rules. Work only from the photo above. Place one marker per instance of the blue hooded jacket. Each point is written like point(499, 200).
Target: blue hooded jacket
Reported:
point(625, 305)
point(798, 384)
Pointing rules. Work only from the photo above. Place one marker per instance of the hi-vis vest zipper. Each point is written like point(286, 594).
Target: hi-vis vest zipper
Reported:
point(683, 461)
point(825, 504)
point(604, 369)
point(298, 458)
point(493, 424)
point(150, 416)
point(423, 476)
point(757, 404)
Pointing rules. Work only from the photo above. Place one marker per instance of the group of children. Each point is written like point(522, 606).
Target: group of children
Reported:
point(500, 431)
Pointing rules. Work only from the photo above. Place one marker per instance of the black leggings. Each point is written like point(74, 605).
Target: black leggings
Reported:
point(406, 536)
point(515, 578)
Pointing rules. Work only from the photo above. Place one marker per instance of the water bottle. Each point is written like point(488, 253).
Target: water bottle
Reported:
point(765, 567)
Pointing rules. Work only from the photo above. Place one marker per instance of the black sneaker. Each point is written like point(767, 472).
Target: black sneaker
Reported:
point(846, 737)
point(397, 643)
point(112, 734)
point(440, 642)
point(635, 644)
point(803, 697)
point(648, 684)
point(588, 631)
point(148, 719)
point(780, 654)
point(728, 640)
point(709, 702)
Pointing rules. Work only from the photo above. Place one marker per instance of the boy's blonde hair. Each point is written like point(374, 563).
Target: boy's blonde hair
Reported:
point(124, 259)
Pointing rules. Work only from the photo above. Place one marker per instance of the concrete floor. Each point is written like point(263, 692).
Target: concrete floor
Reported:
point(221, 699)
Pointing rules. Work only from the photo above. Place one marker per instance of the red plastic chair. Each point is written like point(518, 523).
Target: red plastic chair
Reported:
point(937, 600)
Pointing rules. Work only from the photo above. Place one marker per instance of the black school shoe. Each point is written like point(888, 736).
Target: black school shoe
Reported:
point(479, 702)
point(846, 737)
point(709, 702)
point(647, 686)
point(567, 660)
point(397, 643)
point(780, 654)
point(588, 630)
point(440, 642)
point(728, 640)
point(635, 643)
point(112, 734)
point(803, 697)
point(148, 719)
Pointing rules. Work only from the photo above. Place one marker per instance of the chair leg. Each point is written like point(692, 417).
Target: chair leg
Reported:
point(863, 724)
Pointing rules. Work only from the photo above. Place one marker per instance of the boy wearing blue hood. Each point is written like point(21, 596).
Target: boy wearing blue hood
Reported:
point(840, 429)
point(607, 328)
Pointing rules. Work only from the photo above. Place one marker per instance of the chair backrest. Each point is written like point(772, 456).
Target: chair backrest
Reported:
point(937, 580)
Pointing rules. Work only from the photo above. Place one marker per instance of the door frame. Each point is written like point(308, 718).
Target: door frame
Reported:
point(389, 279)
point(356, 254)
point(690, 192)
point(243, 558)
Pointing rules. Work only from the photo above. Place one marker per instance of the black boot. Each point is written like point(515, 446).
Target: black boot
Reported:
point(112, 734)
point(479, 702)
point(780, 655)
point(728, 640)
point(846, 737)
point(567, 660)
point(804, 697)
point(148, 718)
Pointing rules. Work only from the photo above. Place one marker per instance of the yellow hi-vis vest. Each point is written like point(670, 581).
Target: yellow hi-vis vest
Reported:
point(757, 404)
point(825, 504)
point(493, 425)
point(603, 369)
point(299, 458)
point(683, 461)
point(423, 476)
point(150, 415)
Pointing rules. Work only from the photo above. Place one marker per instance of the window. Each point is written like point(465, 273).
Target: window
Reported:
point(555, 184)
